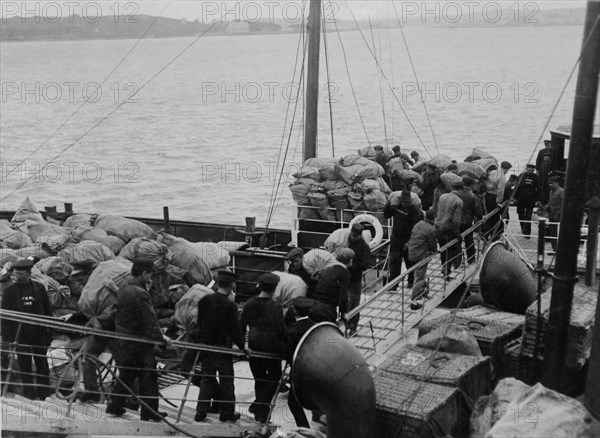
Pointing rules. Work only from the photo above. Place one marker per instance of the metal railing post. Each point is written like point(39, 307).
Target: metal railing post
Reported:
point(13, 353)
point(187, 387)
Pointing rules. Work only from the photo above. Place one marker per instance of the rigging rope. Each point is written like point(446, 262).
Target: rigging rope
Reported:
point(275, 188)
point(416, 78)
point(114, 110)
point(389, 34)
point(85, 101)
point(387, 81)
point(543, 131)
point(381, 97)
point(328, 79)
point(362, 122)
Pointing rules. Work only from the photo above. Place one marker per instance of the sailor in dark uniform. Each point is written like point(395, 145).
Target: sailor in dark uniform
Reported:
point(264, 317)
point(333, 289)
point(527, 194)
point(218, 325)
point(360, 262)
point(28, 296)
point(302, 307)
point(135, 316)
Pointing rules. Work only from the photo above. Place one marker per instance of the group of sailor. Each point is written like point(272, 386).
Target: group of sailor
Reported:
point(260, 328)
point(438, 216)
point(436, 209)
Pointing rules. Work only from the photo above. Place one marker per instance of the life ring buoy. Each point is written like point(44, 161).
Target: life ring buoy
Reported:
point(374, 222)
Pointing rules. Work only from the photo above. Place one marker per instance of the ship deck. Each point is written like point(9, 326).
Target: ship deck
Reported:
point(386, 324)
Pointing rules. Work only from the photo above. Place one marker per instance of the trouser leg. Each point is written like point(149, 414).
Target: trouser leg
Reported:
point(354, 292)
point(208, 388)
point(259, 372)
point(297, 410)
point(267, 374)
point(94, 346)
point(455, 252)
point(24, 361)
point(127, 374)
point(528, 215)
point(148, 380)
point(42, 372)
point(442, 240)
point(409, 264)
point(469, 244)
point(525, 214)
point(396, 257)
point(226, 386)
point(419, 287)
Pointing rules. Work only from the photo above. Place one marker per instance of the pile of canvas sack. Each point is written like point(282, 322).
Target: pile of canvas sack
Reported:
point(334, 186)
point(107, 244)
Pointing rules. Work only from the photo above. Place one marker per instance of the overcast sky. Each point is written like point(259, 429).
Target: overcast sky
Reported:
point(267, 10)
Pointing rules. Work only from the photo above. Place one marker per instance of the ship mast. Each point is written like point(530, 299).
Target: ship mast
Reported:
point(565, 272)
point(312, 80)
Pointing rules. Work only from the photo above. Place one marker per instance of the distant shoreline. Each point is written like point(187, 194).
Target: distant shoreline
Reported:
point(220, 34)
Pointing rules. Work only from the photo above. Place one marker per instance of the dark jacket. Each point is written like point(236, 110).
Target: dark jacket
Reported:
point(472, 208)
point(527, 193)
point(311, 283)
point(31, 298)
point(135, 316)
point(361, 260)
point(218, 322)
point(333, 287)
point(404, 221)
point(264, 317)
point(294, 335)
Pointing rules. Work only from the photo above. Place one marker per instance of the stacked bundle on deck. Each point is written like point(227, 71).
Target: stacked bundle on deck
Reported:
point(93, 240)
point(521, 356)
point(331, 185)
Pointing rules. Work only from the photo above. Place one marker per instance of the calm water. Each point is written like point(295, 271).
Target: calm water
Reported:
point(204, 136)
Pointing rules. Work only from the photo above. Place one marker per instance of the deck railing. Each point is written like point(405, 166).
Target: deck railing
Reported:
point(438, 282)
point(65, 381)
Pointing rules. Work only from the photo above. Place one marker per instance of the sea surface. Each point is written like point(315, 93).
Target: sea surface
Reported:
point(205, 131)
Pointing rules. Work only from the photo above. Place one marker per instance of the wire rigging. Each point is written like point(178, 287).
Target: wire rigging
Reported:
point(412, 66)
point(381, 97)
point(275, 189)
point(323, 20)
point(85, 101)
point(114, 110)
point(386, 80)
point(362, 122)
point(280, 161)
